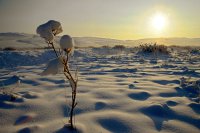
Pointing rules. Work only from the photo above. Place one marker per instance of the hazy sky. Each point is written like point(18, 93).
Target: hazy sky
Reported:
point(120, 19)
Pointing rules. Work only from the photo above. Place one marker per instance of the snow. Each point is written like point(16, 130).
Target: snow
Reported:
point(118, 91)
point(67, 43)
point(53, 67)
point(55, 26)
point(45, 32)
point(49, 29)
point(26, 41)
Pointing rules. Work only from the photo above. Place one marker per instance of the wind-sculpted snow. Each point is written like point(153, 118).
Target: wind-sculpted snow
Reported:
point(123, 92)
point(12, 59)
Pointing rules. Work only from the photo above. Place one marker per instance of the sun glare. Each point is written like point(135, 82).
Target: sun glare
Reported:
point(159, 21)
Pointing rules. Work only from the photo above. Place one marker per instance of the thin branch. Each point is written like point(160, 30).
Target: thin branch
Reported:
point(59, 51)
point(52, 45)
point(73, 82)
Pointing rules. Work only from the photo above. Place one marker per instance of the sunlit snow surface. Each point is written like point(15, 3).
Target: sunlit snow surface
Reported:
point(118, 91)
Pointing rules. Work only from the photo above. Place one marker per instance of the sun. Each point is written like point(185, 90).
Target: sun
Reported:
point(159, 21)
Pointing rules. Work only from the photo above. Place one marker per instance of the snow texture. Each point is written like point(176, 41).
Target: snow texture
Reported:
point(53, 67)
point(117, 93)
point(49, 30)
point(67, 43)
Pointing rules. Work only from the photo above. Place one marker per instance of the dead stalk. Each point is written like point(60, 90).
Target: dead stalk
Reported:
point(73, 82)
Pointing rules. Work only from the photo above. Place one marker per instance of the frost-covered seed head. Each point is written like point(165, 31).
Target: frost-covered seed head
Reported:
point(66, 43)
point(45, 32)
point(56, 27)
point(49, 30)
point(49, 37)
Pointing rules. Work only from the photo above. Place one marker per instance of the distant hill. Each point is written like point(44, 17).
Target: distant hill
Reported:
point(22, 40)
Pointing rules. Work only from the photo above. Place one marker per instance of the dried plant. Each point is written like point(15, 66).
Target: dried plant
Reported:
point(153, 48)
point(192, 87)
point(48, 31)
point(10, 89)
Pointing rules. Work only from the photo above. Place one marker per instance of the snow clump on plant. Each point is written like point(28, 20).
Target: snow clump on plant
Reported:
point(49, 30)
point(67, 44)
point(53, 67)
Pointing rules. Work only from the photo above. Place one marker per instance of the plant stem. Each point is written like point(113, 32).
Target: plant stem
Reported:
point(73, 84)
point(52, 45)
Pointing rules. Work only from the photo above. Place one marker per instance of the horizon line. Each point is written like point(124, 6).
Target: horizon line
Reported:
point(110, 38)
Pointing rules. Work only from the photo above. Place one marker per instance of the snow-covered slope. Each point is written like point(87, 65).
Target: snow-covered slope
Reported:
point(24, 41)
point(118, 91)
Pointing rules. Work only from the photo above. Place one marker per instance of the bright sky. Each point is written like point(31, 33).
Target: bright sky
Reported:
point(119, 19)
